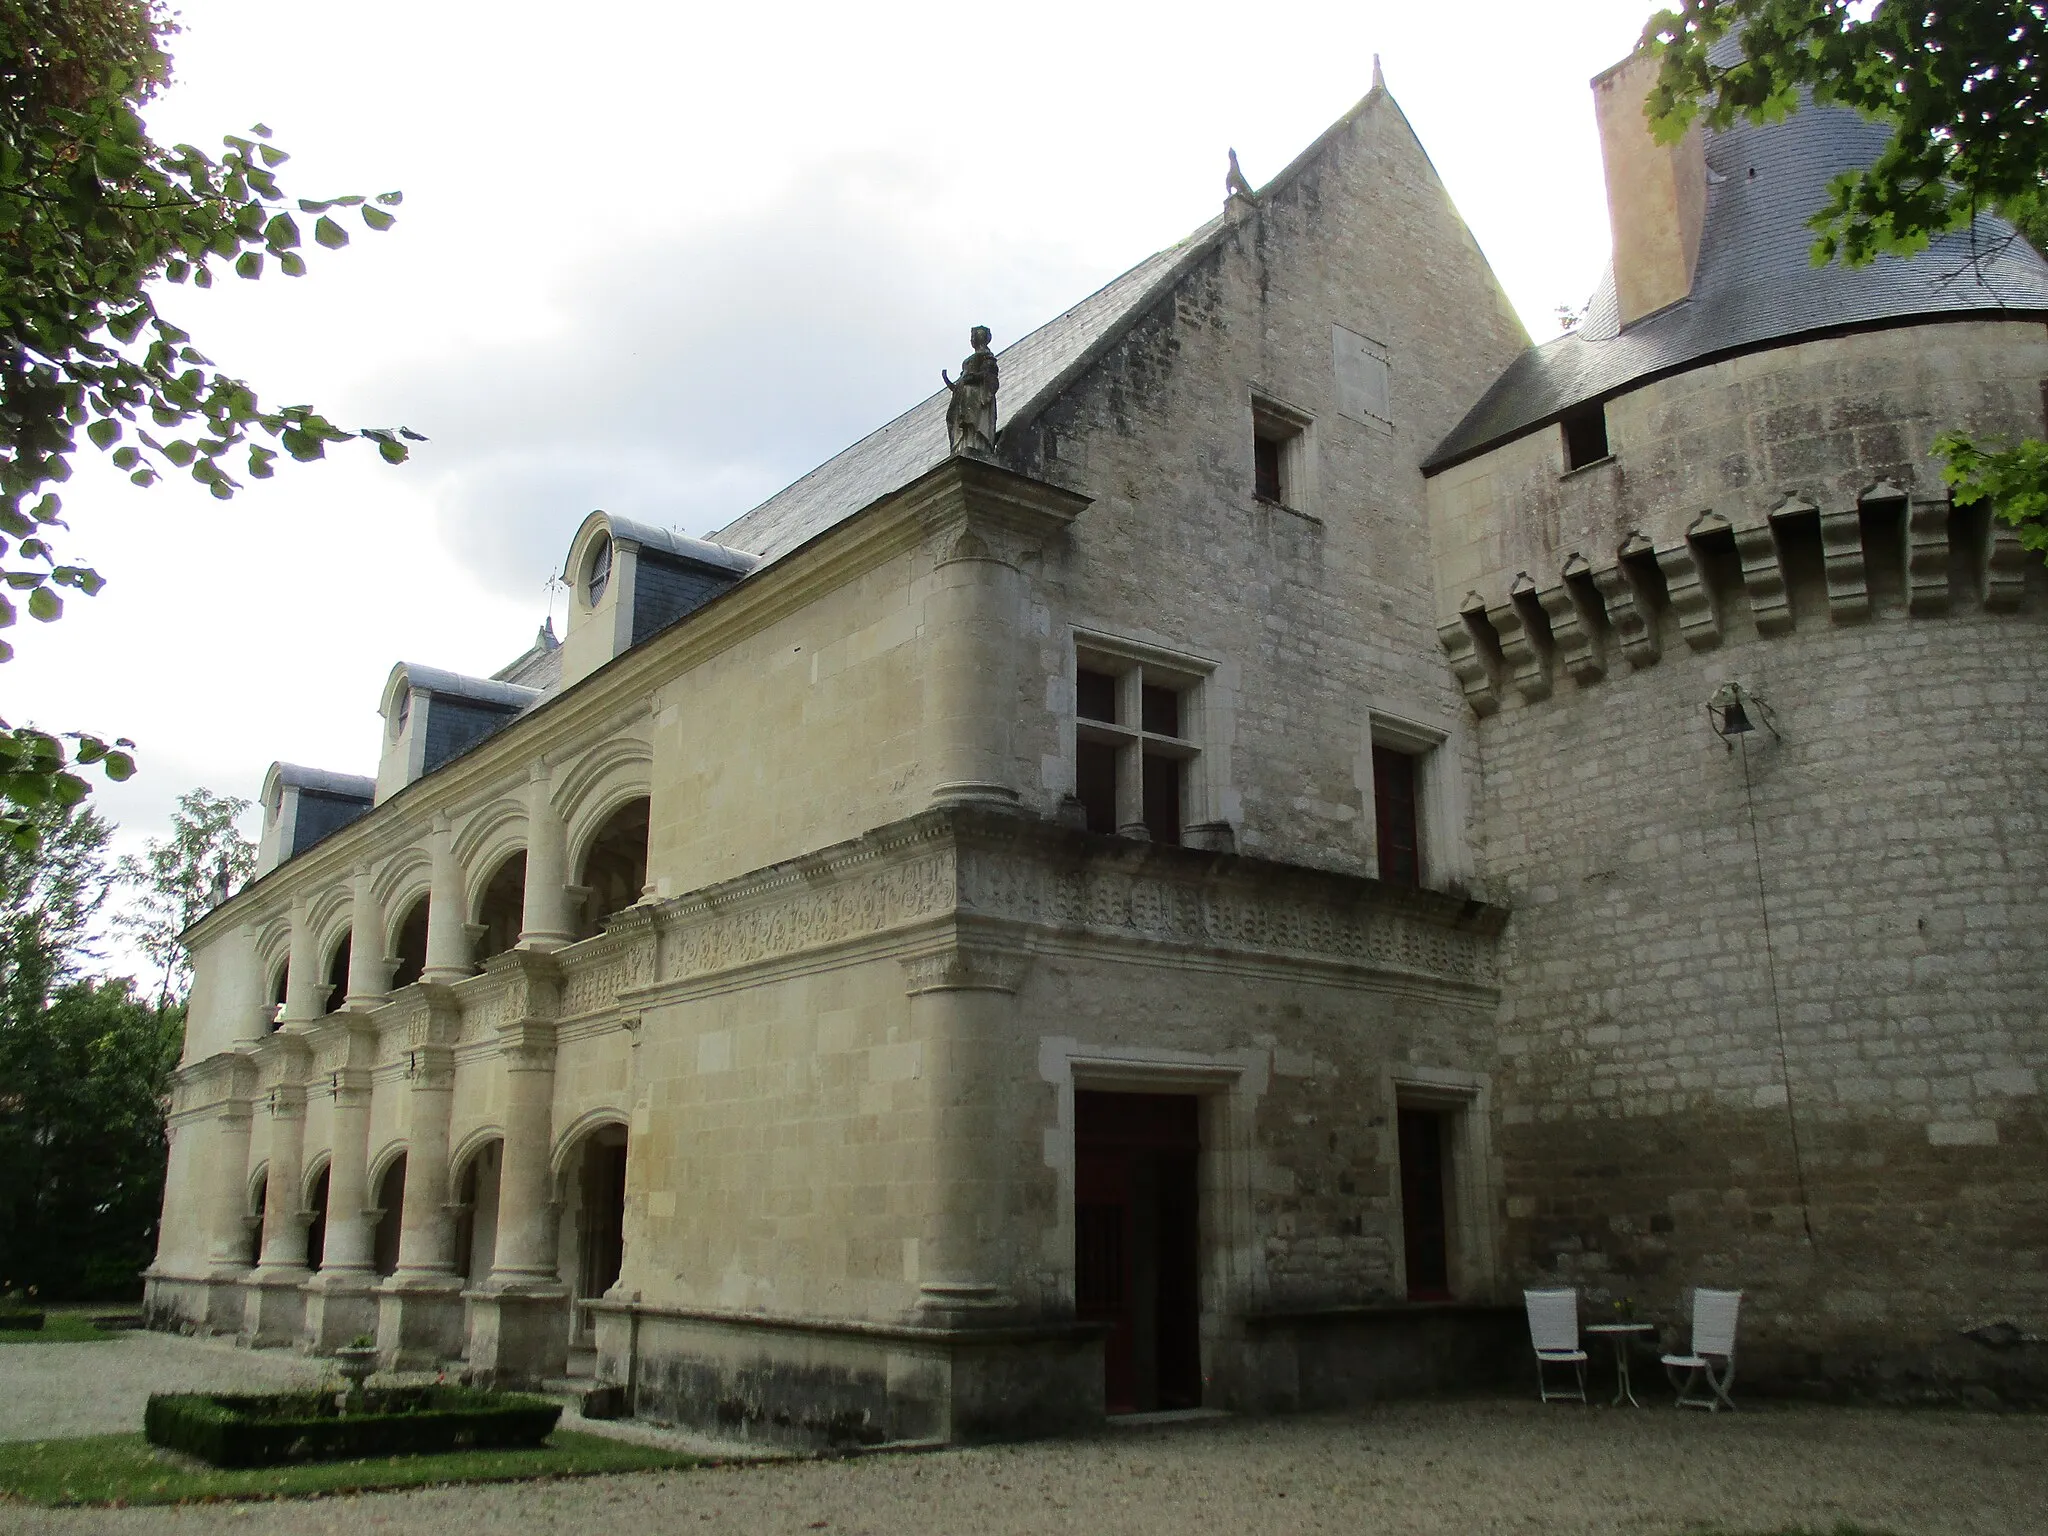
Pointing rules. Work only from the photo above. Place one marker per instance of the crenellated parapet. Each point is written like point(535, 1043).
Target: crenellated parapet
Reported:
point(1803, 563)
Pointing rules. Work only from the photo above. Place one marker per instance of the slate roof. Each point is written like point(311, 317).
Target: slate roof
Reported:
point(347, 786)
point(1755, 284)
point(1033, 367)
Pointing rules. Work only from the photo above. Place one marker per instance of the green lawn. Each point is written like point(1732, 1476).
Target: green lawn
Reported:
point(61, 1328)
point(126, 1469)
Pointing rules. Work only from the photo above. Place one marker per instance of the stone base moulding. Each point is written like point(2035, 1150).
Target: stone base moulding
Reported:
point(339, 1307)
point(202, 1304)
point(815, 1383)
point(517, 1338)
point(419, 1324)
point(273, 1307)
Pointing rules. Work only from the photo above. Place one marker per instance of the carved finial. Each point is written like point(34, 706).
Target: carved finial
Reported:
point(1379, 81)
point(971, 413)
point(1234, 184)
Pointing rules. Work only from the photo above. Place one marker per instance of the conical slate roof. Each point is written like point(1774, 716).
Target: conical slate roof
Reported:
point(1755, 285)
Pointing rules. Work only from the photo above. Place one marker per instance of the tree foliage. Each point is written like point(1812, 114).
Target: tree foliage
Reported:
point(179, 879)
point(94, 213)
point(84, 1067)
point(1959, 81)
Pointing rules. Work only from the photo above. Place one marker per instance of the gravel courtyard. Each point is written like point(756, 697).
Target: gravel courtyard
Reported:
point(1471, 1466)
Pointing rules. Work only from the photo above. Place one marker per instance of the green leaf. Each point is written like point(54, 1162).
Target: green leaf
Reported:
point(249, 265)
point(292, 264)
point(377, 218)
point(281, 233)
point(392, 453)
point(329, 233)
point(391, 199)
point(120, 766)
point(104, 432)
point(45, 605)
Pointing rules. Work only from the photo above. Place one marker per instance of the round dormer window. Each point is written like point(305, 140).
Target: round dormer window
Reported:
point(597, 570)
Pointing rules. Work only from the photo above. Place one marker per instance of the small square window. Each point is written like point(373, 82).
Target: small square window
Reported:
point(1585, 437)
point(1282, 469)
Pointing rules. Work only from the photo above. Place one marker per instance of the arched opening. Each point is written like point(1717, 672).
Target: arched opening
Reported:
point(594, 1219)
point(259, 1208)
point(337, 973)
point(615, 868)
point(280, 988)
point(316, 1232)
point(390, 1216)
point(502, 909)
point(411, 947)
point(476, 1228)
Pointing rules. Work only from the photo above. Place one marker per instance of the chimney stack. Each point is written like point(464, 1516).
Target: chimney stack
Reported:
point(1656, 193)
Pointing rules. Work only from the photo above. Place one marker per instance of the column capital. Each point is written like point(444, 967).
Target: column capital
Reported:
point(282, 1056)
point(532, 979)
point(965, 968)
point(527, 1045)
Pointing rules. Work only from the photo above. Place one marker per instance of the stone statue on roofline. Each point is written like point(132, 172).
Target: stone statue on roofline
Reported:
point(971, 413)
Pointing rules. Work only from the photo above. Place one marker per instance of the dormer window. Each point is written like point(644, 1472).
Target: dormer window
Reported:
point(401, 714)
point(598, 574)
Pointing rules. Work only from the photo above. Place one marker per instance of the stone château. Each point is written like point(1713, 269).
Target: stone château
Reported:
point(1202, 903)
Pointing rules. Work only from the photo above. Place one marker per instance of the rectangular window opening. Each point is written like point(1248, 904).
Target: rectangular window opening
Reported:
point(1425, 1153)
point(1095, 696)
point(1163, 798)
point(1397, 813)
point(1266, 483)
point(1095, 784)
point(1585, 437)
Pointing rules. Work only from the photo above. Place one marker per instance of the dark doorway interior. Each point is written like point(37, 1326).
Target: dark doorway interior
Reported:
point(604, 1208)
point(316, 1229)
point(1135, 1240)
point(391, 1217)
point(1425, 1233)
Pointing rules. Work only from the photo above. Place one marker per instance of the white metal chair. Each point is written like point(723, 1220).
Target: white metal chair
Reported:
point(1554, 1334)
point(1713, 1352)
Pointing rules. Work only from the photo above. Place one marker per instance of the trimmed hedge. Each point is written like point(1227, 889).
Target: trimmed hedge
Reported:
point(21, 1322)
point(281, 1428)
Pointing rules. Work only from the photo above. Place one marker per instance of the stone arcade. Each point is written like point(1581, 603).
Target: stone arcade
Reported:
point(1198, 902)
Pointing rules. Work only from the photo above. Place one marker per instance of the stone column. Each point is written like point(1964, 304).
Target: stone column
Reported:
point(227, 1165)
point(305, 997)
point(369, 968)
point(419, 1318)
point(448, 942)
point(963, 1009)
point(244, 1007)
point(520, 1317)
point(273, 1304)
point(972, 633)
point(545, 924)
point(341, 1300)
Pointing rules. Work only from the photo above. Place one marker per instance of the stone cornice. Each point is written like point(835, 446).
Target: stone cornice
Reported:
point(959, 492)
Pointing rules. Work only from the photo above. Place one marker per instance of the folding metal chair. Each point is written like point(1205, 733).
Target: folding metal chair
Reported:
point(1554, 1334)
point(1712, 1360)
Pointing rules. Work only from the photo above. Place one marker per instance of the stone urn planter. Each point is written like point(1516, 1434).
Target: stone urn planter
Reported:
point(357, 1363)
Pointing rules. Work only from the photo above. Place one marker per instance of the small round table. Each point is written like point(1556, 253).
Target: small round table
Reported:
point(1620, 1333)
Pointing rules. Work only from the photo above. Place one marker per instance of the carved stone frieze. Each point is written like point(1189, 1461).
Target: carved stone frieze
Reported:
point(709, 935)
point(1139, 904)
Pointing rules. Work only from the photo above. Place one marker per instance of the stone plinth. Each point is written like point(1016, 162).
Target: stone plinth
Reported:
point(419, 1322)
point(340, 1306)
point(518, 1338)
point(273, 1307)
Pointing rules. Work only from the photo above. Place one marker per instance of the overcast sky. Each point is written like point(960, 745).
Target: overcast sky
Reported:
point(662, 259)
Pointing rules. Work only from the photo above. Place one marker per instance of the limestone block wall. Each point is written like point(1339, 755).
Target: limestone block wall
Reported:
point(1308, 610)
point(1844, 1119)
